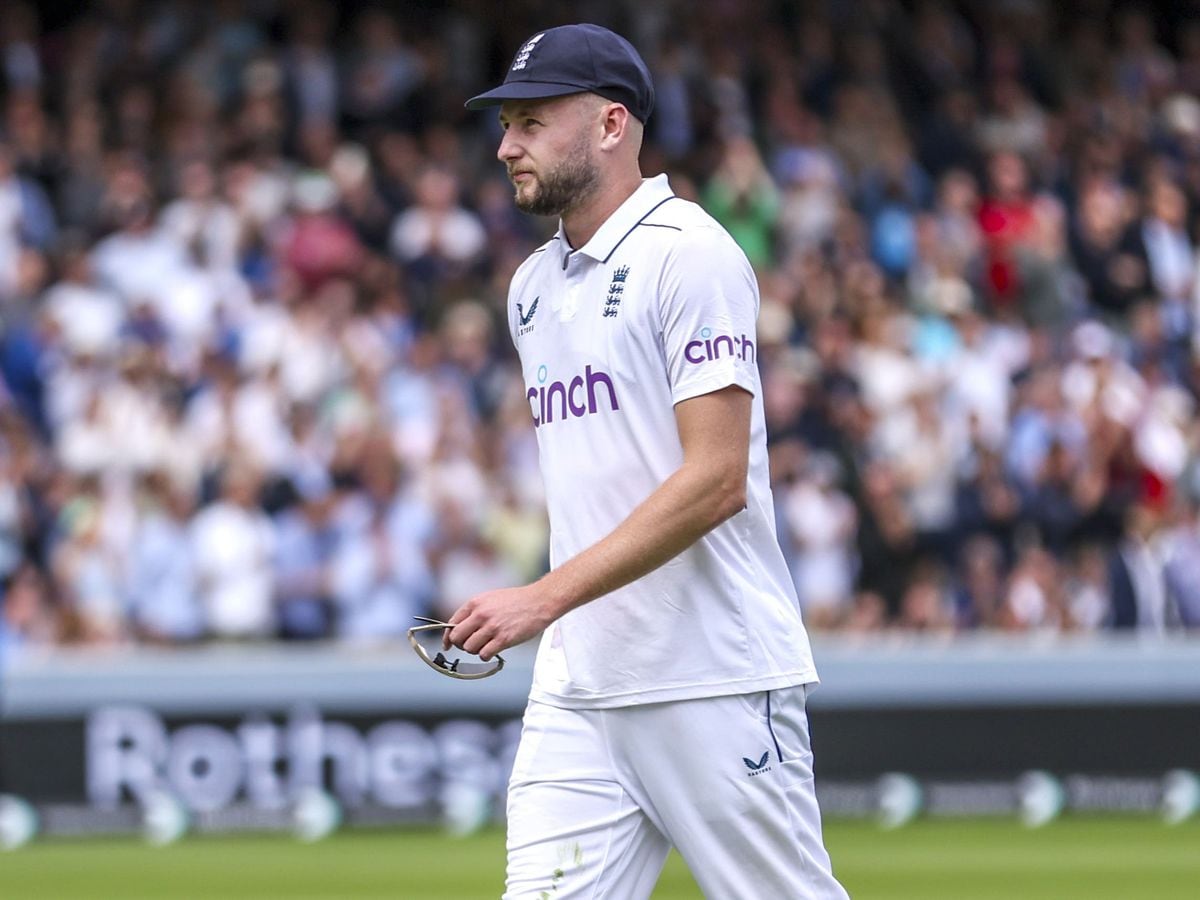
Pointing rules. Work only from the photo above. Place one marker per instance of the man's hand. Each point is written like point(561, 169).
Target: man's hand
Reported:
point(494, 621)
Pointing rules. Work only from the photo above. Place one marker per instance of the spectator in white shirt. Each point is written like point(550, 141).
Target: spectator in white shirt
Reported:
point(88, 317)
point(233, 543)
point(201, 219)
point(1169, 251)
point(164, 595)
point(436, 235)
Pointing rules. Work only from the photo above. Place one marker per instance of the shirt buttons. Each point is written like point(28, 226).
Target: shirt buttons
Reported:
point(571, 304)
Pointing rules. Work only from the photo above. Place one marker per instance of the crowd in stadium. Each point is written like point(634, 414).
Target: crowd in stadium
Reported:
point(257, 380)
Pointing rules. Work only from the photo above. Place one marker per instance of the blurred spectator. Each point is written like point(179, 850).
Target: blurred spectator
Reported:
point(307, 537)
point(1088, 590)
point(743, 198)
point(26, 220)
point(1170, 254)
point(381, 72)
point(202, 221)
point(927, 606)
point(672, 123)
point(436, 238)
point(87, 318)
point(987, 503)
point(892, 191)
point(979, 595)
point(233, 545)
point(88, 573)
point(318, 244)
point(811, 200)
point(164, 596)
point(359, 200)
point(1034, 599)
point(1106, 251)
point(380, 574)
point(947, 140)
point(887, 540)
point(27, 618)
point(1140, 598)
point(465, 563)
point(1182, 567)
point(1007, 219)
point(309, 63)
point(821, 522)
point(1014, 125)
point(468, 339)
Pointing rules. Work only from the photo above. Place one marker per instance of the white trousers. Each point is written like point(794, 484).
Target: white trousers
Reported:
point(599, 796)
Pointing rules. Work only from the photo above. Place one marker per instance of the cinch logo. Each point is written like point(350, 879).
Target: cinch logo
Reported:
point(566, 400)
point(707, 348)
point(760, 767)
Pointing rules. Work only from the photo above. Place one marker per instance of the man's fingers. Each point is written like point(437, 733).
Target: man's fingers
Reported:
point(475, 642)
point(454, 637)
point(476, 628)
point(492, 647)
point(457, 619)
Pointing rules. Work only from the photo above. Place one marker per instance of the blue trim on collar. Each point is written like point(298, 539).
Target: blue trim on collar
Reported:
point(635, 225)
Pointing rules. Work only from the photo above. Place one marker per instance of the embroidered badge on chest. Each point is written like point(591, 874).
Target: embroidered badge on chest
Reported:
point(616, 288)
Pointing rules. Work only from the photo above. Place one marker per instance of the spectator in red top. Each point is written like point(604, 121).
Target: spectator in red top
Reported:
point(319, 244)
point(1007, 220)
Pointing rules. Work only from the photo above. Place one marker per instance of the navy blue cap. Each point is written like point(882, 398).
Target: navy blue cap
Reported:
point(571, 59)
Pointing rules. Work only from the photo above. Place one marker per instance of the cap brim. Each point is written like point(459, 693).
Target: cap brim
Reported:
point(523, 90)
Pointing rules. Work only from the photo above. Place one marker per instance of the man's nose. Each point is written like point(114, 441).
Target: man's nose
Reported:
point(508, 149)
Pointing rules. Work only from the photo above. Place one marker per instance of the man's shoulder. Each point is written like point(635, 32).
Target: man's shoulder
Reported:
point(537, 257)
point(685, 231)
point(680, 214)
point(527, 272)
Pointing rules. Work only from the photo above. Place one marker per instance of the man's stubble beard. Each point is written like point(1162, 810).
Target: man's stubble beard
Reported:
point(569, 184)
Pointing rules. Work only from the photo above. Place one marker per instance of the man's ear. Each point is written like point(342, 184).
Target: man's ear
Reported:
point(614, 123)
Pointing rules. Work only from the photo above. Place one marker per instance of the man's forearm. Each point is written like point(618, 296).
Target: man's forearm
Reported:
point(684, 508)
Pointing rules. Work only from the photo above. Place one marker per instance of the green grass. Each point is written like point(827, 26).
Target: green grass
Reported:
point(1094, 859)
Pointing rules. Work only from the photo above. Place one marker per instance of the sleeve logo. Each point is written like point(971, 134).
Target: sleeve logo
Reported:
point(527, 317)
point(708, 347)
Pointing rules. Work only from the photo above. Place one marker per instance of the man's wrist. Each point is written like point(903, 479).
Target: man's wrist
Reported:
point(559, 596)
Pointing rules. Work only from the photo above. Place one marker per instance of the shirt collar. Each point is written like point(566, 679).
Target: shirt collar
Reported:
point(652, 193)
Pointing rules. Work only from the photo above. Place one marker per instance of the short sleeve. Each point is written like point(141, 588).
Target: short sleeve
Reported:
point(510, 313)
point(708, 305)
point(516, 289)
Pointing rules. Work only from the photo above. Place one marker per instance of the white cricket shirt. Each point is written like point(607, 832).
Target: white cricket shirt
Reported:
point(659, 306)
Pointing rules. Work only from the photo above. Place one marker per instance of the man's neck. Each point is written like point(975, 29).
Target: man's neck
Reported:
point(581, 224)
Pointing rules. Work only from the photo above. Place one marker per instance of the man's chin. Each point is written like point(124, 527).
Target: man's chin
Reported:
point(529, 202)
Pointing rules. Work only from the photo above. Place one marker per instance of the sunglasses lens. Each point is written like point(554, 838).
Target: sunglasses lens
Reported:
point(465, 664)
point(453, 661)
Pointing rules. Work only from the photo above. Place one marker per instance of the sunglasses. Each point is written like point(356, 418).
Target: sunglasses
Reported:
point(427, 641)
